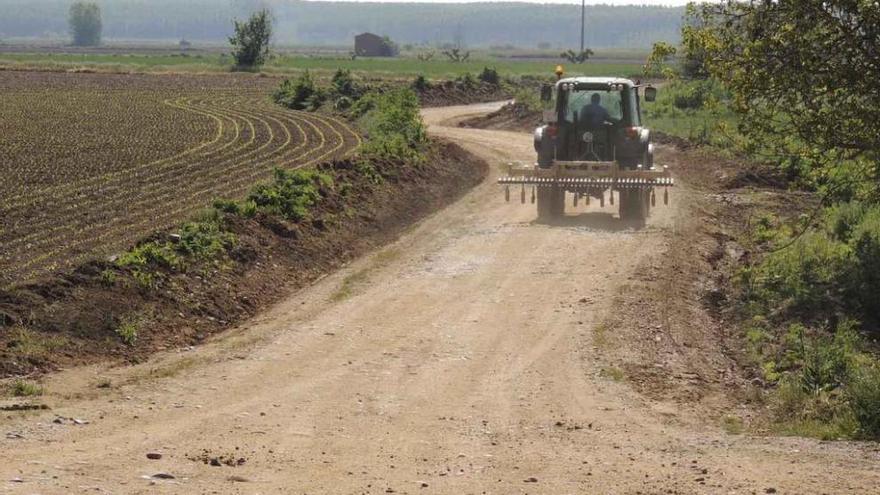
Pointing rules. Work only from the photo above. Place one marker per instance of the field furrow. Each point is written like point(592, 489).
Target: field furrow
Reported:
point(47, 225)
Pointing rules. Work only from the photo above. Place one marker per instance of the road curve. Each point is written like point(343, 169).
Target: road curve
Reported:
point(462, 361)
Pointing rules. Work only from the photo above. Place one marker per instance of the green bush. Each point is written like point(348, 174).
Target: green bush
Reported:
point(808, 274)
point(489, 76)
point(291, 194)
point(863, 395)
point(301, 94)
point(420, 84)
point(394, 126)
point(343, 84)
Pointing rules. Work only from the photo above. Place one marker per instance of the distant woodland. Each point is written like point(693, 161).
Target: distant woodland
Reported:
point(335, 23)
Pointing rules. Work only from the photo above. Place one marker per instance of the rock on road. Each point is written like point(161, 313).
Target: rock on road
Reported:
point(457, 360)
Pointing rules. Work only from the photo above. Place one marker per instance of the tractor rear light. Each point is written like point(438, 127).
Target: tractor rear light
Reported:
point(631, 132)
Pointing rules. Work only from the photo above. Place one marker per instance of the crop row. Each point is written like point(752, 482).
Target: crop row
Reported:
point(100, 209)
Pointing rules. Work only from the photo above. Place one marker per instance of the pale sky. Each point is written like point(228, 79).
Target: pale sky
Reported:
point(577, 2)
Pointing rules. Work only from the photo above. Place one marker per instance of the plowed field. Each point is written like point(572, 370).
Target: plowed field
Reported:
point(92, 162)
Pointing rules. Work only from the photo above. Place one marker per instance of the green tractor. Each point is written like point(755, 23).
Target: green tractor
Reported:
point(592, 144)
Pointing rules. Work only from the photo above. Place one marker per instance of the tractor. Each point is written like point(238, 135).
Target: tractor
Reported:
point(592, 143)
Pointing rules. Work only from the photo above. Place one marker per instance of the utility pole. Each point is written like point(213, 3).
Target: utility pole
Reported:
point(583, 12)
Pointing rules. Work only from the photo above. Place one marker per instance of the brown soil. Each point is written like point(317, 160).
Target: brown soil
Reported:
point(271, 259)
point(446, 93)
point(511, 117)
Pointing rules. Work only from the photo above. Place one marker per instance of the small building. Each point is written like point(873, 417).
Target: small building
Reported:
point(372, 45)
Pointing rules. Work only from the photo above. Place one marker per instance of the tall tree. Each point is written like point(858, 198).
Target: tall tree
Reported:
point(250, 43)
point(85, 23)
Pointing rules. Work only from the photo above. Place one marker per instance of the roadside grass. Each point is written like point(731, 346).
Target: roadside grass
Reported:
point(600, 335)
point(25, 388)
point(27, 344)
point(613, 373)
point(399, 67)
point(694, 110)
point(733, 425)
point(129, 327)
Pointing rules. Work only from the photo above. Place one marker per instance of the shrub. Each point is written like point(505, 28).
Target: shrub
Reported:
point(301, 94)
point(343, 84)
point(807, 275)
point(863, 395)
point(420, 84)
point(489, 76)
point(24, 388)
point(128, 329)
point(393, 124)
point(291, 194)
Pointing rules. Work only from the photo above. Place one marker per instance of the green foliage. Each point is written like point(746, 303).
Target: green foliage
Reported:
point(291, 194)
point(250, 42)
point(33, 346)
point(129, 327)
point(829, 384)
point(420, 84)
point(394, 126)
point(489, 76)
point(85, 23)
point(656, 65)
point(301, 94)
point(343, 84)
point(25, 388)
point(695, 110)
point(803, 79)
point(863, 395)
point(823, 272)
point(201, 240)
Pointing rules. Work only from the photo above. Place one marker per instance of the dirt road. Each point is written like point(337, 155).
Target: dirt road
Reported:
point(458, 360)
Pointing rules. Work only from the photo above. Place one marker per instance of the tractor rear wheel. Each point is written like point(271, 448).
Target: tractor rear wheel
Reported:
point(635, 205)
point(551, 202)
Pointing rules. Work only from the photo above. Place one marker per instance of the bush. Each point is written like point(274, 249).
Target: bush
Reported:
point(343, 84)
point(805, 276)
point(393, 124)
point(301, 94)
point(420, 84)
point(489, 76)
point(863, 395)
point(291, 194)
point(24, 388)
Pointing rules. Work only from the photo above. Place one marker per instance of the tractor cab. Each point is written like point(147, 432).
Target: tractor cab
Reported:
point(596, 119)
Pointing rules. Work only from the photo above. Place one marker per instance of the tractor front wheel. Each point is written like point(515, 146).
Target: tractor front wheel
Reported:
point(551, 202)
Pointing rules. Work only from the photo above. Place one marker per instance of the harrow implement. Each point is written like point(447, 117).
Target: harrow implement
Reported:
point(586, 179)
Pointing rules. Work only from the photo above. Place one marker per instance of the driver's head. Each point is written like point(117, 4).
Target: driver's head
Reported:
point(595, 99)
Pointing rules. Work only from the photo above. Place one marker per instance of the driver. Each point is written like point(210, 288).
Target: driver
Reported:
point(594, 114)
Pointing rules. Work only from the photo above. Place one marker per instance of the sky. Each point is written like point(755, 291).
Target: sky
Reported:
point(578, 2)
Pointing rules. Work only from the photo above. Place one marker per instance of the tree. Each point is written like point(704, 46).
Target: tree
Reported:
point(250, 43)
point(803, 76)
point(661, 52)
point(85, 23)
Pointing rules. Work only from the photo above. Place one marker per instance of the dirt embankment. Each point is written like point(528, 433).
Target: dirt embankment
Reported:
point(514, 116)
point(75, 317)
point(447, 93)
